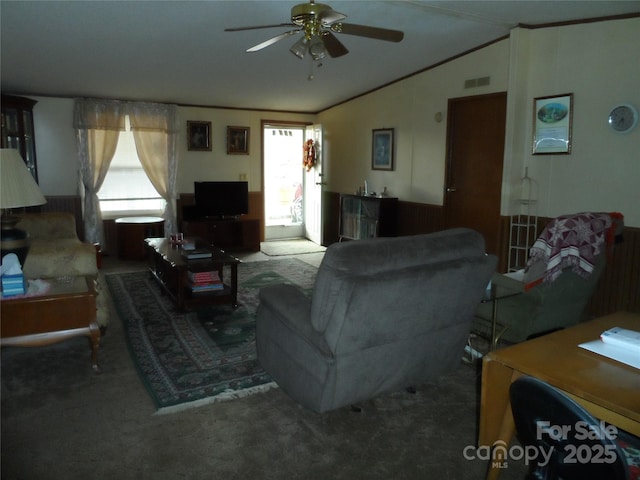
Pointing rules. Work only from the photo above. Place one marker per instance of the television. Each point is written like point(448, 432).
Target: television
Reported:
point(221, 199)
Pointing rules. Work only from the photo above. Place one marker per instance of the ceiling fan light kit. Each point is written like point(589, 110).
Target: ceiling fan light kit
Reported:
point(318, 22)
point(300, 47)
point(316, 48)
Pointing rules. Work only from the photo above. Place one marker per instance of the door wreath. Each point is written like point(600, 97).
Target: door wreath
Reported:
point(309, 154)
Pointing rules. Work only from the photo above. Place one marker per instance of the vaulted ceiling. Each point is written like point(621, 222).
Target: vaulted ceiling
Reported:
point(179, 51)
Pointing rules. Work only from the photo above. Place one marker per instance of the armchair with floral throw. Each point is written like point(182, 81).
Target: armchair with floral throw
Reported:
point(566, 262)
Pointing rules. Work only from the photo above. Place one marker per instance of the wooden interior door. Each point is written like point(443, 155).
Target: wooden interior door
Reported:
point(475, 151)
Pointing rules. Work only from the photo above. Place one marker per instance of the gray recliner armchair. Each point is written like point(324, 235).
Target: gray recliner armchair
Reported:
point(384, 314)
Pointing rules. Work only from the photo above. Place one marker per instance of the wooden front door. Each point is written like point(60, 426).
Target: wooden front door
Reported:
point(475, 151)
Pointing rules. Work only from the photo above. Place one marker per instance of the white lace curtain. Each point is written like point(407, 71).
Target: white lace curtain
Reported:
point(154, 131)
point(98, 124)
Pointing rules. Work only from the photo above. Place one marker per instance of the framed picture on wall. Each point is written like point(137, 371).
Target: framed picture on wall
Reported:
point(382, 149)
point(238, 140)
point(552, 123)
point(199, 136)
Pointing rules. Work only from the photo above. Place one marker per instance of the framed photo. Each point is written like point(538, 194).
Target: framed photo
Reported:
point(552, 122)
point(238, 140)
point(382, 149)
point(199, 136)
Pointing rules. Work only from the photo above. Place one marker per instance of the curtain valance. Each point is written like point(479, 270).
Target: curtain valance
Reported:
point(156, 117)
point(98, 114)
point(90, 114)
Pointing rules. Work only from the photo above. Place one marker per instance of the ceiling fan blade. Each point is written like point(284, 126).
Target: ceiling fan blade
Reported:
point(240, 29)
point(273, 40)
point(329, 16)
point(333, 45)
point(370, 32)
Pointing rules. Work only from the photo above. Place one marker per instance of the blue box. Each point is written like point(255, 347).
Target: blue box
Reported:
point(13, 285)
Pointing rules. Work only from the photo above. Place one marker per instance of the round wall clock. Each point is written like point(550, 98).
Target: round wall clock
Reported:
point(623, 118)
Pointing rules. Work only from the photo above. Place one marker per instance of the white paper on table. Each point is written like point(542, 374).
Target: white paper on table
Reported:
point(621, 354)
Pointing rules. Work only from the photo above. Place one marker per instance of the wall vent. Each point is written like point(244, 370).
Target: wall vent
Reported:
point(477, 82)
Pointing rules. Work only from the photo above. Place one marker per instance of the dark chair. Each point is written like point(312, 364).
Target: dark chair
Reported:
point(582, 447)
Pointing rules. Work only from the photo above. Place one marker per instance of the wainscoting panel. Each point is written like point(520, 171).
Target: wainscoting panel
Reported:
point(256, 210)
point(330, 217)
point(619, 286)
point(110, 246)
point(417, 218)
point(187, 199)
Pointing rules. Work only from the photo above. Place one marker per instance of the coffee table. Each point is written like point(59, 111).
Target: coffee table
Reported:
point(66, 310)
point(171, 268)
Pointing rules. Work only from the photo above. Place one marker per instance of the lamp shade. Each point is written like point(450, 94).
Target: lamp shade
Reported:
point(316, 48)
point(300, 47)
point(17, 186)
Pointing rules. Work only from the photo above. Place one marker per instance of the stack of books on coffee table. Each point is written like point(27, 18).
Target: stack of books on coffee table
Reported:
point(196, 254)
point(201, 282)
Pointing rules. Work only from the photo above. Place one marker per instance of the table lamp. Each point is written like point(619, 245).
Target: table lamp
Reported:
point(18, 189)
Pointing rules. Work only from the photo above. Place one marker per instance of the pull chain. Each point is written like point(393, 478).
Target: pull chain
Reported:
point(317, 65)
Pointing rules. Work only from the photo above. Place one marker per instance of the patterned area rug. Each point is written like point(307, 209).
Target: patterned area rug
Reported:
point(188, 359)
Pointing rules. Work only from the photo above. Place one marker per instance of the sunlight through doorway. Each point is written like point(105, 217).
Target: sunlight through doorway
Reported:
point(283, 181)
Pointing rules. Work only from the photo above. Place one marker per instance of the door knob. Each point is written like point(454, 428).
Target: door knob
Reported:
point(321, 183)
point(451, 189)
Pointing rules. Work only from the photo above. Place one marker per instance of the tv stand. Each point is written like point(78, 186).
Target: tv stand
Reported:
point(221, 217)
point(231, 234)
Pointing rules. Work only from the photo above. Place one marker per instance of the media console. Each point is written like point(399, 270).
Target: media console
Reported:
point(226, 234)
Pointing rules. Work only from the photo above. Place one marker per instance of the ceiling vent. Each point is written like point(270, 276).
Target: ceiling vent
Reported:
point(477, 82)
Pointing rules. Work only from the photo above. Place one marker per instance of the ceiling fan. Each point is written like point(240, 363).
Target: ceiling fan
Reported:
point(318, 22)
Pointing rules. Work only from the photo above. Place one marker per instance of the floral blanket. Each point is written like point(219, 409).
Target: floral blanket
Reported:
point(572, 241)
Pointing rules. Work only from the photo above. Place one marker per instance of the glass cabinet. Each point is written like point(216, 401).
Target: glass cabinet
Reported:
point(367, 217)
point(17, 129)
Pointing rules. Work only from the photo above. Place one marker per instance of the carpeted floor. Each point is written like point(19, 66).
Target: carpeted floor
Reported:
point(193, 358)
point(62, 421)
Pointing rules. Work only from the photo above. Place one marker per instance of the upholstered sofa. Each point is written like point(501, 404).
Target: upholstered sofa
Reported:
point(384, 314)
point(56, 251)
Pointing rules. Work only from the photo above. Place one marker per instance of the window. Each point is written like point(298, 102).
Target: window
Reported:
point(126, 188)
